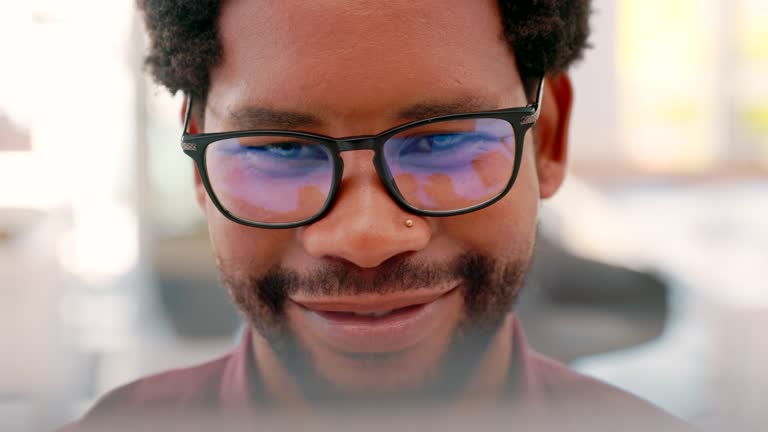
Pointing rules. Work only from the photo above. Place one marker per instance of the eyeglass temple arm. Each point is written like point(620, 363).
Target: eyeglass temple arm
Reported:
point(530, 119)
point(539, 95)
point(187, 114)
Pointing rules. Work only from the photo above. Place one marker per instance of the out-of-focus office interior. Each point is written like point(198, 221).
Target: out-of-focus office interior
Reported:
point(652, 265)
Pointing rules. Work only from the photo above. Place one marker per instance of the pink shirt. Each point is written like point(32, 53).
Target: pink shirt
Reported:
point(228, 391)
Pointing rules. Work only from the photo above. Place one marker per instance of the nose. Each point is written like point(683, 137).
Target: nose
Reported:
point(365, 226)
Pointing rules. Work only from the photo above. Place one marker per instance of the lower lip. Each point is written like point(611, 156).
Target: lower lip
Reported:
point(397, 331)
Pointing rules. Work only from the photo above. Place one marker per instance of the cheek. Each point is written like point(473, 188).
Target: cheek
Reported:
point(509, 225)
point(253, 249)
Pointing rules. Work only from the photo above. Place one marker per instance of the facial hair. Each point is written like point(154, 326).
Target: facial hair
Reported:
point(490, 288)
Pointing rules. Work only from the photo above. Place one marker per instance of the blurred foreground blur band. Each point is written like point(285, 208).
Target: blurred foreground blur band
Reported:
point(410, 418)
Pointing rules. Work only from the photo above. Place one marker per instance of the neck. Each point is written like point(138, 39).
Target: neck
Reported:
point(490, 378)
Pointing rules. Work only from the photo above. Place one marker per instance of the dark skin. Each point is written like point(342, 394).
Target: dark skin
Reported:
point(354, 67)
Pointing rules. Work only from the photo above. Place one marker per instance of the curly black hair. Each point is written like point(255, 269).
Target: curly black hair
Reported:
point(546, 36)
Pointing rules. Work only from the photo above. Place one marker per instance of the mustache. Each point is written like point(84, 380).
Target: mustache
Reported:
point(397, 274)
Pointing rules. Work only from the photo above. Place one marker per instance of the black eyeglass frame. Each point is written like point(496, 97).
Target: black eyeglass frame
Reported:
point(521, 119)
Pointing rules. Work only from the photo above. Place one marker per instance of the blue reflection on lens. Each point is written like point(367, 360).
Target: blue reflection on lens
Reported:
point(282, 159)
point(444, 150)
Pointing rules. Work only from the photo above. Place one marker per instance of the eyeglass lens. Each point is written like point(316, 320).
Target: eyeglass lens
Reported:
point(452, 165)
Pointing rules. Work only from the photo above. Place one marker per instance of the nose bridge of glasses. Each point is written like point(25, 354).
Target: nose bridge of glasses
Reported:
point(356, 143)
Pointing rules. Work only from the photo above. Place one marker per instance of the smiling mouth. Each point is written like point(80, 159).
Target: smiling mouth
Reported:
point(375, 323)
point(372, 304)
point(370, 317)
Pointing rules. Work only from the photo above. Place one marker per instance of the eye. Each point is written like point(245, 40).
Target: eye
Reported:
point(290, 151)
point(445, 141)
point(287, 149)
point(438, 143)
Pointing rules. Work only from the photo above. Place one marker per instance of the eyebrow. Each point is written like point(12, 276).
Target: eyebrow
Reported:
point(269, 118)
point(258, 117)
point(425, 110)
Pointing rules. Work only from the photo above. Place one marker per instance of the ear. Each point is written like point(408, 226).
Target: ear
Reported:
point(193, 129)
point(552, 133)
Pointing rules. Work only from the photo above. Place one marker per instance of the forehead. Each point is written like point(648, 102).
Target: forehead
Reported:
point(357, 57)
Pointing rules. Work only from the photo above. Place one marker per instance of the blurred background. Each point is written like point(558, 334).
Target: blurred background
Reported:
point(652, 264)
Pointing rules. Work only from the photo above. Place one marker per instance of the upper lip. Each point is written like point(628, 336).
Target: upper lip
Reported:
point(371, 303)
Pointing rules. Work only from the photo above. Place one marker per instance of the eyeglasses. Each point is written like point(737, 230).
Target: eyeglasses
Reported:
point(442, 166)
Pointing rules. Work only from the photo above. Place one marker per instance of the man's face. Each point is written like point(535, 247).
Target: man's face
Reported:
point(357, 66)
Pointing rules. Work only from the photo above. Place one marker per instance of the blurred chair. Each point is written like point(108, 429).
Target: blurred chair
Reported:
point(573, 307)
point(196, 304)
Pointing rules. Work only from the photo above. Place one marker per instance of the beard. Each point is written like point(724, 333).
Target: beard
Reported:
point(490, 288)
